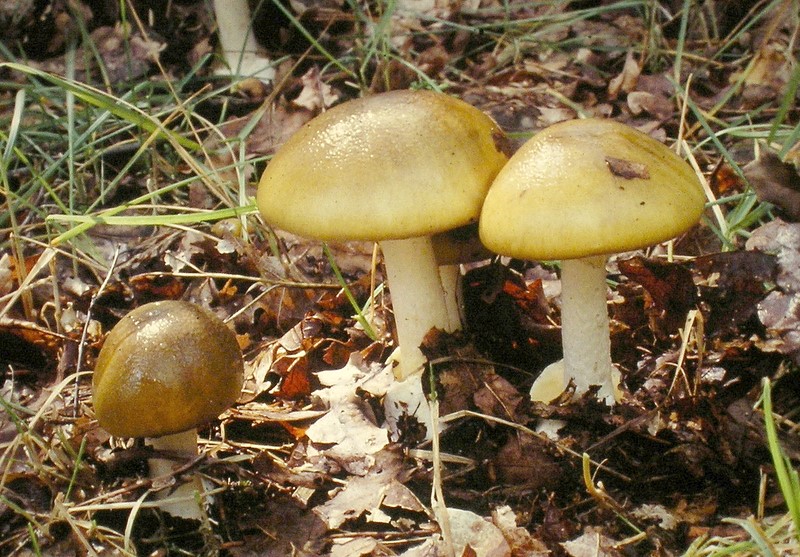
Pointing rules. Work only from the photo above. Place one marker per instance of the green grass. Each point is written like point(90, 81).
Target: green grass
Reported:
point(767, 537)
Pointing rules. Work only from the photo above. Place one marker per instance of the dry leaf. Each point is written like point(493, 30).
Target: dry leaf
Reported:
point(347, 433)
point(474, 535)
point(775, 182)
point(362, 494)
point(315, 95)
point(626, 81)
point(591, 544)
point(657, 106)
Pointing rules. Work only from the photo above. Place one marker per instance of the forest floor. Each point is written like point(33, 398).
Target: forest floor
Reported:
point(128, 169)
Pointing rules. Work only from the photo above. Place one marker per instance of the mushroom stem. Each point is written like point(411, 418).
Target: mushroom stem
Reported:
point(418, 299)
point(585, 326)
point(237, 40)
point(184, 446)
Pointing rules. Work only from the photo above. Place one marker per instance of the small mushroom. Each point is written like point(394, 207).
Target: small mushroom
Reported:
point(166, 368)
point(396, 168)
point(578, 191)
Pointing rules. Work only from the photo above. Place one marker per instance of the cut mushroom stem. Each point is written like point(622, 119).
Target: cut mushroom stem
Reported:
point(183, 500)
point(238, 43)
point(418, 300)
point(585, 325)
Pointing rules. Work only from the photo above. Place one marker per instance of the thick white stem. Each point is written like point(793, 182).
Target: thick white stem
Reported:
point(233, 29)
point(239, 45)
point(184, 447)
point(585, 326)
point(417, 298)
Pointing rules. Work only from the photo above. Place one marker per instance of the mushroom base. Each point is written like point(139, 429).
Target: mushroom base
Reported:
point(239, 46)
point(180, 501)
point(418, 299)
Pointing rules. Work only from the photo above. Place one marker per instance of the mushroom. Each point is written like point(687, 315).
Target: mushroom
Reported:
point(396, 168)
point(166, 368)
point(578, 191)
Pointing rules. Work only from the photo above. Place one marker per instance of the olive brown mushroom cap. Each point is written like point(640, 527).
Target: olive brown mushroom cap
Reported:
point(166, 367)
point(589, 187)
point(394, 165)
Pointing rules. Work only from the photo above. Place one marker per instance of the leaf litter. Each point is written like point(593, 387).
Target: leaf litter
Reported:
point(304, 463)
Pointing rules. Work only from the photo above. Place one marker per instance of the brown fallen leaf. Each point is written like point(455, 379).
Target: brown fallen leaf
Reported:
point(625, 81)
point(775, 182)
point(591, 544)
point(671, 293)
point(26, 344)
point(734, 284)
point(524, 460)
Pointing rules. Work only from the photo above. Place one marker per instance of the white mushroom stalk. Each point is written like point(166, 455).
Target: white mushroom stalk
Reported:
point(182, 501)
point(418, 299)
point(585, 326)
point(238, 43)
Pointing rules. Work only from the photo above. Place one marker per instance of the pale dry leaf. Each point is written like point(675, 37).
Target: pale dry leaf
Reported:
point(549, 116)
point(362, 494)
point(6, 275)
point(591, 544)
point(521, 542)
point(779, 312)
point(781, 239)
point(315, 95)
point(347, 433)
point(656, 513)
point(626, 80)
point(655, 105)
point(426, 549)
point(471, 531)
point(399, 496)
point(353, 547)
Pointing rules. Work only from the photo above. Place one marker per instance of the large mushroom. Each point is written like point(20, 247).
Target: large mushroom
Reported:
point(576, 192)
point(165, 369)
point(397, 168)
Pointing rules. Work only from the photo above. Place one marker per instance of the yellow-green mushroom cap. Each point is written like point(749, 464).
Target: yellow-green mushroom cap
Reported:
point(394, 165)
point(589, 187)
point(165, 368)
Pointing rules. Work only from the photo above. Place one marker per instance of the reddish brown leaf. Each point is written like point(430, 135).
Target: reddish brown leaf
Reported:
point(157, 286)
point(26, 344)
point(724, 180)
point(776, 182)
point(671, 293)
point(737, 284)
point(295, 384)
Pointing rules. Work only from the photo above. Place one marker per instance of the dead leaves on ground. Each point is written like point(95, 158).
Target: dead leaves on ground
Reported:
point(310, 421)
